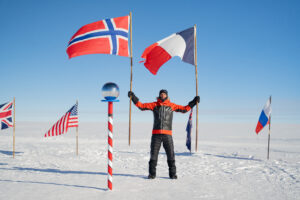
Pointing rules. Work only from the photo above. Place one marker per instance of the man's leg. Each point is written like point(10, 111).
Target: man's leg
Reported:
point(155, 146)
point(169, 148)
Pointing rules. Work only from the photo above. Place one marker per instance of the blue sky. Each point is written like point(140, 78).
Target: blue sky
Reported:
point(247, 50)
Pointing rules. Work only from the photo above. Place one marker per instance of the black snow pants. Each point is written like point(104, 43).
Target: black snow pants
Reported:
point(168, 145)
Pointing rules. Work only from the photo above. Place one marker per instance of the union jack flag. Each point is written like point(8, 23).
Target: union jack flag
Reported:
point(109, 36)
point(6, 115)
point(70, 119)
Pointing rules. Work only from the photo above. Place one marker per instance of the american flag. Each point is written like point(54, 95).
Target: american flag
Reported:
point(189, 130)
point(109, 36)
point(70, 119)
point(6, 115)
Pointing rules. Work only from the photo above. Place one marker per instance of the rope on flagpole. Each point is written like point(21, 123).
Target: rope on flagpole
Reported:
point(131, 63)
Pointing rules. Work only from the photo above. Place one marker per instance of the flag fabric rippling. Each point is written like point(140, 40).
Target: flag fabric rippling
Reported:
point(264, 116)
point(109, 36)
point(70, 119)
point(178, 44)
point(6, 115)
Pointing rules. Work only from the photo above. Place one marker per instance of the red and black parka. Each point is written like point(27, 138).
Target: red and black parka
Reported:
point(163, 114)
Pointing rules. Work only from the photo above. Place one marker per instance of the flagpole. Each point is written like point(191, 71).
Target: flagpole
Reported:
point(129, 135)
point(196, 74)
point(14, 125)
point(77, 133)
point(269, 131)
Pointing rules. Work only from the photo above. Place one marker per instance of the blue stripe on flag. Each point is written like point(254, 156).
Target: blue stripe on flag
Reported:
point(188, 36)
point(113, 36)
point(3, 125)
point(263, 119)
point(97, 34)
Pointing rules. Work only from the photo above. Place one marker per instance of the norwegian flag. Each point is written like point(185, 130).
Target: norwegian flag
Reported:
point(109, 36)
point(70, 119)
point(6, 115)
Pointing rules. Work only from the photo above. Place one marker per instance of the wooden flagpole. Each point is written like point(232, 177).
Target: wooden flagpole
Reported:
point(14, 125)
point(269, 131)
point(196, 74)
point(129, 135)
point(77, 133)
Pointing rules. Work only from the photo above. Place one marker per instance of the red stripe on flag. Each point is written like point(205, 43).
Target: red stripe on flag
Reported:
point(259, 127)
point(123, 47)
point(64, 124)
point(148, 50)
point(57, 128)
point(52, 131)
point(73, 122)
point(5, 114)
point(60, 130)
point(7, 123)
point(156, 58)
point(6, 107)
point(88, 28)
point(68, 116)
point(75, 125)
point(121, 22)
point(91, 46)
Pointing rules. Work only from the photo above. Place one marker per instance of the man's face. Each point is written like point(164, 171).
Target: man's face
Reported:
point(163, 95)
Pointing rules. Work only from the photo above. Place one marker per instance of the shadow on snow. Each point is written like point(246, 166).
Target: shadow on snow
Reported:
point(233, 157)
point(9, 153)
point(69, 172)
point(64, 172)
point(58, 184)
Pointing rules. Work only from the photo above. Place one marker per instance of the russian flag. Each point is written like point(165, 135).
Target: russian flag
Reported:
point(178, 44)
point(264, 118)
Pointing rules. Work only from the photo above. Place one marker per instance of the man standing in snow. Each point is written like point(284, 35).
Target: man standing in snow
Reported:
point(162, 128)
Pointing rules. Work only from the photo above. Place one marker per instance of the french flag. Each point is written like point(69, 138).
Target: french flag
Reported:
point(178, 44)
point(264, 118)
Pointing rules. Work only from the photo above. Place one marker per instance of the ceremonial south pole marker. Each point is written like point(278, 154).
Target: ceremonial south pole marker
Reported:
point(110, 91)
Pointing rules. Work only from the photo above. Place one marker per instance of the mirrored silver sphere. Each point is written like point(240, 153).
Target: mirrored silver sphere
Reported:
point(110, 91)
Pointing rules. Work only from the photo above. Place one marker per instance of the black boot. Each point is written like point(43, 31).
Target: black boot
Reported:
point(173, 176)
point(151, 176)
point(172, 169)
point(152, 169)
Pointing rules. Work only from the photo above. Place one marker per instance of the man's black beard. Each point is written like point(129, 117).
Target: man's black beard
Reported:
point(163, 99)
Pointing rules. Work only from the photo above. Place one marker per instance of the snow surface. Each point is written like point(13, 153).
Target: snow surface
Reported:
point(230, 163)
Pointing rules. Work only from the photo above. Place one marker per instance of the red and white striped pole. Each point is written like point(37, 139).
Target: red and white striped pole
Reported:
point(110, 145)
point(110, 92)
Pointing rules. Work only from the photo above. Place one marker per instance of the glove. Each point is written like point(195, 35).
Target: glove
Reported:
point(133, 97)
point(194, 101)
